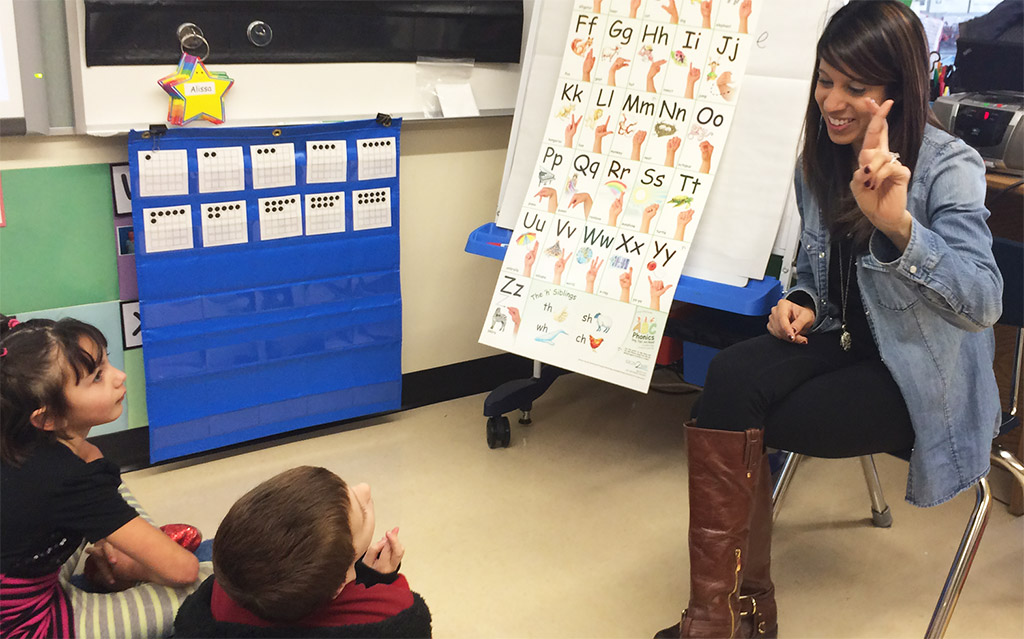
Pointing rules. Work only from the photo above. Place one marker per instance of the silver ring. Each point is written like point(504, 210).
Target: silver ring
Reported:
point(894, 157)
point(202, 42)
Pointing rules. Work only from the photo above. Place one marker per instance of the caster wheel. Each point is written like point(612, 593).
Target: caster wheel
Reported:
point(499, 434)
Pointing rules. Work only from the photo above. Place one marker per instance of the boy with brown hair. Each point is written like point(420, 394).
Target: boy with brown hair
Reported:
point(285, 564)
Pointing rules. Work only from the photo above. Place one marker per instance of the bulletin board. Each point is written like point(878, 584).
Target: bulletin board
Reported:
point(268, 278)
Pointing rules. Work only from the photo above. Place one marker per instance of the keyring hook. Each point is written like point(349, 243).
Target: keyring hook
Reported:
point(933, 64)
point(188, 32)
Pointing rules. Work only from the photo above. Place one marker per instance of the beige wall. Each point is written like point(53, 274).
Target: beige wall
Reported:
point(450, 176)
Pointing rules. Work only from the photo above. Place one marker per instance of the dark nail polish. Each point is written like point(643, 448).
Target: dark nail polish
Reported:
point(867, 170)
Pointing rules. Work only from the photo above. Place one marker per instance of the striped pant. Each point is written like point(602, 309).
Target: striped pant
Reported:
point(146, 610)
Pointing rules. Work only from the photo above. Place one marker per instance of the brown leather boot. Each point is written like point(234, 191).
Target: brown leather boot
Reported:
point(724, 467)
point(759, 616)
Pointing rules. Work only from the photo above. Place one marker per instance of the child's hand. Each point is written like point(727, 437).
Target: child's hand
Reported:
point(109, 569)
point(385, 556)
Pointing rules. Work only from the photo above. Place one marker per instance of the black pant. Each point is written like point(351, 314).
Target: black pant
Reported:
point(814, 398)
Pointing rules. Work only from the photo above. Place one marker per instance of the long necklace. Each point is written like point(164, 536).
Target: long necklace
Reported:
point(845, 339)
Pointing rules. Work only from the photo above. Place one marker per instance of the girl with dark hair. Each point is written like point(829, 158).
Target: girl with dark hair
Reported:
point(885, 342)
point(58, 491)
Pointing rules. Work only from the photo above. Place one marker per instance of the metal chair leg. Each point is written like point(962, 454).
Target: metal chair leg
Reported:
point(961, 563)
point(1007, 460)
point(881, 516)
point(782, 481)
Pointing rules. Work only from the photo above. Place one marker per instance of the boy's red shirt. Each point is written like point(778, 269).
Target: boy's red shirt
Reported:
point(356, 604)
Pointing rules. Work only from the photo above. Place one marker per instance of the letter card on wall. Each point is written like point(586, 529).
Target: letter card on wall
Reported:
point(268, 272)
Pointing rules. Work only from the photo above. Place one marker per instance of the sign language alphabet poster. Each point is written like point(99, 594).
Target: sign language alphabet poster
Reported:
point(641, 110)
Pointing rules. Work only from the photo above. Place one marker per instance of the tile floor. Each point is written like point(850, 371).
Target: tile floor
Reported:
point(578, 529)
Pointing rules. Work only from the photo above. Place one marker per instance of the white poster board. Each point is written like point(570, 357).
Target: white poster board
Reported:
point(631, 144)
point(748, 201)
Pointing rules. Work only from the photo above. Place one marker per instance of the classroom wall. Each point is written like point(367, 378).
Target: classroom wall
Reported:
point(450, 176)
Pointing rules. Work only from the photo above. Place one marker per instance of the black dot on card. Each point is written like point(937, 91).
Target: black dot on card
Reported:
point(273, 150)
point(209, 216)
point(206, 155)
point(258, 151)
point(388, 143)
point(214, 154)
point(147, 157)
point(332, 147)
point(152, 221)
point(218, 215)
point(160, 213)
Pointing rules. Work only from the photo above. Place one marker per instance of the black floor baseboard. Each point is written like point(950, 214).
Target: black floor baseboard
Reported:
point(129, 449)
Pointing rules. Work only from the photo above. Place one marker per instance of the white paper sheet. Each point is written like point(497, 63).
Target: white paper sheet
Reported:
point(766, 130)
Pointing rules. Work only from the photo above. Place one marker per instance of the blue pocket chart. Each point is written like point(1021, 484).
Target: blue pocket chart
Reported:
point(268, 276)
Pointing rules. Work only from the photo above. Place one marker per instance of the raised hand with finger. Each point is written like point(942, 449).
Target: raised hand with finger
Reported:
point(529, 259)
point(588, 65)
point(560, 266)
point(658, 288)
point(595, 267)
point(386, 555)
point(880, 184)
point(600, 133)
point(571, 128)
point(615, 210)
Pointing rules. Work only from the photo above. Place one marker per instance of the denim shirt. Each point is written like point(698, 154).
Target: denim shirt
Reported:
point(930, 309)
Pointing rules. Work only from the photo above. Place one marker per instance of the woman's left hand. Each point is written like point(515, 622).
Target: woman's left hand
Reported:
point(880, 184)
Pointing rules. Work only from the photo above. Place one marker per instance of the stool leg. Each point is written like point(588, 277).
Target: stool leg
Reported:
point(961, 563)
point(782, 481)
point(881, 517)
point(1007, 460)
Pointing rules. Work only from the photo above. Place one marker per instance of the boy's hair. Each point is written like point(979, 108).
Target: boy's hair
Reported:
point(40, 357)
point(285, 547)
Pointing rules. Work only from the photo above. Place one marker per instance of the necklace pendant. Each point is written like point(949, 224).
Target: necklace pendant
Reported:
point(845, 340)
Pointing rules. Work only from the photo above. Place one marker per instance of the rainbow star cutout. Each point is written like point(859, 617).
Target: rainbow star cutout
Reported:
point(195, 92)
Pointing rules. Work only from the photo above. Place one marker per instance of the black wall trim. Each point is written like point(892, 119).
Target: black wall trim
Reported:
point(129, 449)
point(132, 32)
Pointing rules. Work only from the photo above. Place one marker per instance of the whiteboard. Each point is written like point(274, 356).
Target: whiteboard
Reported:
point(748, 201)
point(11, 105)
point(116, 99)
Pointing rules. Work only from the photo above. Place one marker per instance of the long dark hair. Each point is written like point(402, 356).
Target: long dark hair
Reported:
point(39, 357)
point(878, 42)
